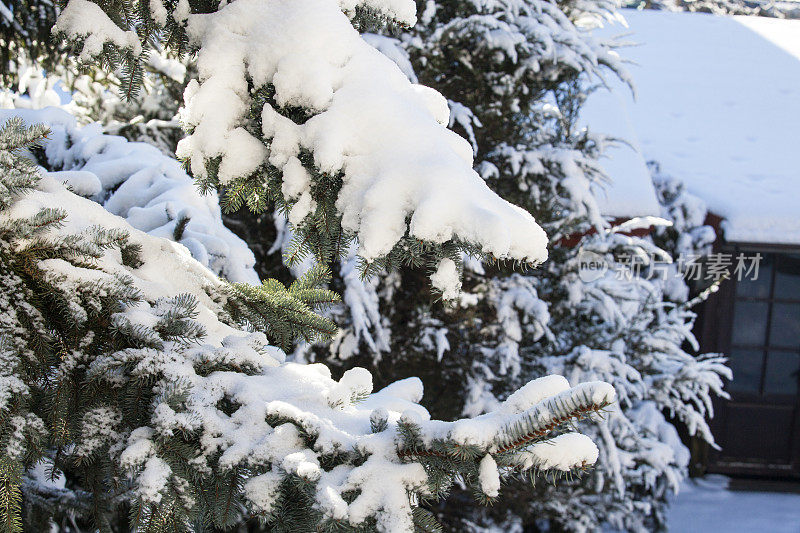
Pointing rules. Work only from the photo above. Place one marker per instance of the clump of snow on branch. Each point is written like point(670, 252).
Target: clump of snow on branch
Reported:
point(447, 279)
point(137, 182)
point(561, 453)
point(87, 19)
point(393, 49)
point(489, 477)
point(366, 121)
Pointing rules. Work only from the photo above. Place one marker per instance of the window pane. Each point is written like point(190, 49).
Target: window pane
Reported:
point(783, 371)
point(787, 276)
point(750, 323)
point(784, 329)
point(746, 367)
point(754, 284)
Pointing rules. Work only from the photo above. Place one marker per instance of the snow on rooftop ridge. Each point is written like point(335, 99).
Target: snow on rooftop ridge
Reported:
point(137, 182)
point(629, 192)
point(717, 101)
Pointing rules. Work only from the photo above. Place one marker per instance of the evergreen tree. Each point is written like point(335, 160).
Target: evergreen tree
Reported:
point(36, 67)
point(516, 75)
point(154, 401)
point(25, 27)
point(98, 96)
point(130, 393)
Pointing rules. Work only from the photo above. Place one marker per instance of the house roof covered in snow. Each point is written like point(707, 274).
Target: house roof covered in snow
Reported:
point(718, 106)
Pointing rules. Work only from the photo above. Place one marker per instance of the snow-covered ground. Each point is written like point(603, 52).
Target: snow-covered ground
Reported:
point(706, 505)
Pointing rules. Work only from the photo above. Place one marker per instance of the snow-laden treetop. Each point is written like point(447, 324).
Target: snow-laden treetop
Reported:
point(291, 103)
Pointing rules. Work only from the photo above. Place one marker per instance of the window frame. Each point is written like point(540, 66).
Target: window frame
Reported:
point(729, 299)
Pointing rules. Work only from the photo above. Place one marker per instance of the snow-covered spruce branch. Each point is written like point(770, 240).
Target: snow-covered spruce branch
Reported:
point(286, 314)
point(135, 181)
point(551, 413)
point(520, 436)
point(515, 430)
point(292, 106)
point(123, 372)
point(25, 27)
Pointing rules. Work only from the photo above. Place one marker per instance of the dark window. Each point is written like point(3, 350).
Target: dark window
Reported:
point(765, 336)
point(784, 329)
point(761, 286)
point(750, 323)
point(787, 276)
point(782, 373)
point(746, 366)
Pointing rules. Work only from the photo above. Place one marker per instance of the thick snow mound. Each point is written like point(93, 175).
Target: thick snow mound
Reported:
point(137, 182)
point(290, 85)
point(384, 134)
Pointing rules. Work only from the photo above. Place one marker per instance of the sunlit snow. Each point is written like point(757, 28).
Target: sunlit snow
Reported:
point(717, 104)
